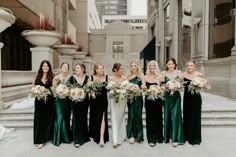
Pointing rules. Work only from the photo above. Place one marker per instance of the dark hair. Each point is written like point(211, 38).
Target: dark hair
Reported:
point(116, 67)
point(82, 67)
point(96, 67)
point(173, 60)
point(65, 63)
point(50, 74)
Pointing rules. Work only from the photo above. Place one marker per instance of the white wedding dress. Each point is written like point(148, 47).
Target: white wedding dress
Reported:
point(118, 119)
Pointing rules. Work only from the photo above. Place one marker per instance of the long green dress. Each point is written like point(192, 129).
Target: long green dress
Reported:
point(80, 114)
point(44, 113)
point(173, 128)
point(98, 108)
point(135, 107)
point(62, 131)
point(154, 119)
point(192, 107)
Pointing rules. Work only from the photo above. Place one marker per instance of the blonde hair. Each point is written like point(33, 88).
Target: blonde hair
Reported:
point(138, 68)
point(190, 61)
point(157, 71)
point(96, 67)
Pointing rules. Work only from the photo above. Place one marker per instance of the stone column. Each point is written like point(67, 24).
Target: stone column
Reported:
point(67, 59)
point(175, 28)
point(232, 79)
point(39, 54)
point(161, 33)
point(1, 103)
point(233, 50)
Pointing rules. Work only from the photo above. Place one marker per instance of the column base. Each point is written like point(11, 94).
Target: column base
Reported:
point(39, 54)
point(233, 51)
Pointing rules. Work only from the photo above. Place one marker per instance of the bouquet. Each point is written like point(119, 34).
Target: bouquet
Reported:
point(198, 84)
point(39, 92)
point(172, 86)
point(77, 94)
point(61, 91)
point(154, 92)
point(117, 92)
point(94, 88)
point(133, 90)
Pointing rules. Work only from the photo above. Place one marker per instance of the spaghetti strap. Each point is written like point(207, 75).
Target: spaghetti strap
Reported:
point(91, 77)
point(106, 78)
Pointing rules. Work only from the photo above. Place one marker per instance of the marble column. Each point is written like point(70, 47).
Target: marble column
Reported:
point(39, 54)
point(1, 103)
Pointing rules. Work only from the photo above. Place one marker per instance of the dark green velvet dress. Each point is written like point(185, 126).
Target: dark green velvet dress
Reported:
point(80, 117)
point(62, 131)
point(173, 128)
point(44, 113)
point(192, 107)
point(135, 107)
point(154, 119)
point(98, 108)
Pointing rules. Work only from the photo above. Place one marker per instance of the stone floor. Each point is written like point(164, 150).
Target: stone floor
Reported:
point(217, 142)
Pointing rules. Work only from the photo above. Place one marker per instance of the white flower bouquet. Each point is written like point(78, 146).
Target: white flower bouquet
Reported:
point(172, 86)
point(133, 90)
point(116, 91)
point(77, 94)
point(94, 88)
point(39, 92)
point(154, 92)
point(61, 91)
point(197, 85)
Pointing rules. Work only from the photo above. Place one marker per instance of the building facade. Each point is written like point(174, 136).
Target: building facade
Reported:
point(117, 42)
point(136, 22)
point(210, 39)
point(111, 7)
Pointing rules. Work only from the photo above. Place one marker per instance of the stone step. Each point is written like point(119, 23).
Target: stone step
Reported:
point(205, 124)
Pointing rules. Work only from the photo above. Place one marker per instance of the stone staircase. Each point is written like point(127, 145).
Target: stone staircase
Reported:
point(23, 119)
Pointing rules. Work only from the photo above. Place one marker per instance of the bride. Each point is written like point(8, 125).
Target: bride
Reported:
point(117, 104)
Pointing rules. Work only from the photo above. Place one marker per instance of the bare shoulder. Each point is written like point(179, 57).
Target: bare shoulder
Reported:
point(199, 74)
point(179, 71)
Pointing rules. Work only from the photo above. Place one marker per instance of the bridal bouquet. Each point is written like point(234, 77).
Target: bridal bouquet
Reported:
point(94, 88)
point(172, 86)
point(116, 91)
point(133, 90)
point(197, 85)
point(61, 91)
point(39, 92)
point(154, 92)
point(77, 94)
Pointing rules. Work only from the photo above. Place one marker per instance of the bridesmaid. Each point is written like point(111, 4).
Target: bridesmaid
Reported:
point(135, 107)
point(62, 132)
point(98, 122)
point(173, 128)
point(118, 108)
point(192, 106)
point(43, 110)
point(154, 119)
point(80, 109)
